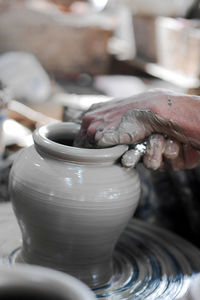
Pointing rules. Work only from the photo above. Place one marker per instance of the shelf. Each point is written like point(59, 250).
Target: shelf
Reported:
point(156, 70)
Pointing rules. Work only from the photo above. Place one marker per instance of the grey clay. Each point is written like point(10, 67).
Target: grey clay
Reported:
point(71, 203)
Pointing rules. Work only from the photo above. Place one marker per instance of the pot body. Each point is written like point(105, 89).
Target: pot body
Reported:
point(39, 283)
point(71, 204)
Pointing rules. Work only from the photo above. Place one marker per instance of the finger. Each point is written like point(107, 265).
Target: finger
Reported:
point(131, 130)
point(86, 121)
point(109, 138)
point(155, 148)
point(188, 158)
point(131, 158)
point(113, 137)
point(104, 127)
point(93, 128)
point(85, 137)
point(191, 156)
point(177, 163)
point(92, 121)
point(171, 150)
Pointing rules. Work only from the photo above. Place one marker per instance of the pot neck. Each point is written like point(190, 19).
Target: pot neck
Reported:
point(53, 139)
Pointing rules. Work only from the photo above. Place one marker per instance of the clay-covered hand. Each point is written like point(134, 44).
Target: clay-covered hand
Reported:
point(168, 122)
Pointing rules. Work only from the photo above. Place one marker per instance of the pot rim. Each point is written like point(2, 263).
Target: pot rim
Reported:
point(70, 153)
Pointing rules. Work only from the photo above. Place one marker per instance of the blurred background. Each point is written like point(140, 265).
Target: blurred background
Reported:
point(57, 57)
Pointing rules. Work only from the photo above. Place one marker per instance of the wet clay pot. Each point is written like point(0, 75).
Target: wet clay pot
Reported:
point(27, 282)
point(71, 203)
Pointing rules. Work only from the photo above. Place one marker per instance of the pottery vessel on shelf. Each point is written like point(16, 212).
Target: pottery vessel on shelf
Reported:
point(27, 282)
point(71, 203)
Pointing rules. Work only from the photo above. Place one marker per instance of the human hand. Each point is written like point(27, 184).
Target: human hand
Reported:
point(168, 122)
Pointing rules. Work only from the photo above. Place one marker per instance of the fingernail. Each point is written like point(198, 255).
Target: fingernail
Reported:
point(171, 149)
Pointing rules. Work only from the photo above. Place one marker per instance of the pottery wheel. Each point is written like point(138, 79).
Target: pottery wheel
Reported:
point(149, 262)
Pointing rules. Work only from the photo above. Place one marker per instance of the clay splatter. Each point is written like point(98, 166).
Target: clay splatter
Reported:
point(169, 101)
